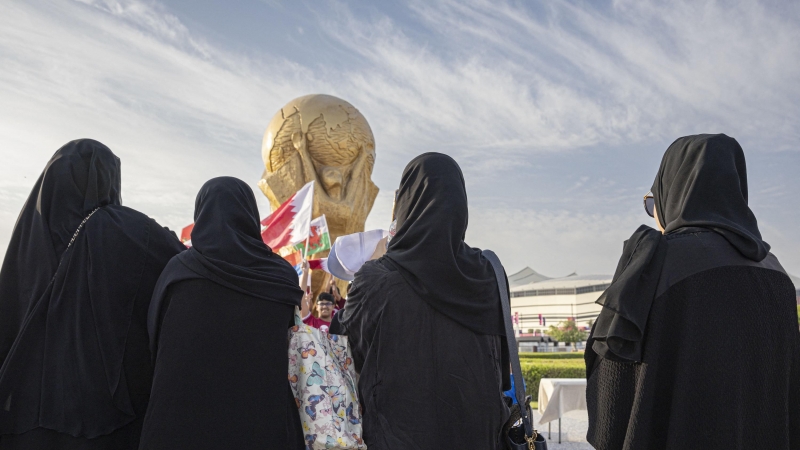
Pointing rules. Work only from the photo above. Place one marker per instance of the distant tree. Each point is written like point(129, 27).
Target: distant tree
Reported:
point(567, 332)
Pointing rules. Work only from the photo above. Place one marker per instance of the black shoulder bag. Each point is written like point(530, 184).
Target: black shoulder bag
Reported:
point(518, 431)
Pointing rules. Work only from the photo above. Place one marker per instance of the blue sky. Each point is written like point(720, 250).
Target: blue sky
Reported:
point(558, 112)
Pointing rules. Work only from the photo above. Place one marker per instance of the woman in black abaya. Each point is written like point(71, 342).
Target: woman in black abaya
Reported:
point(76, 366)
point(425, 324)
point(697, 343)
point(218, 327)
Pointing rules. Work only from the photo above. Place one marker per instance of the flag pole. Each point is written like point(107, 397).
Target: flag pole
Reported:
point(307, 287)
point(305, 248)
point(308, 235)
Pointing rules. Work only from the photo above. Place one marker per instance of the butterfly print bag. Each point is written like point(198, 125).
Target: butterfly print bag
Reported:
point(323, 382)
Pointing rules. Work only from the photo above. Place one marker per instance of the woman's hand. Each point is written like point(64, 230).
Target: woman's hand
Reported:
point(304, 276)
point(380, 249)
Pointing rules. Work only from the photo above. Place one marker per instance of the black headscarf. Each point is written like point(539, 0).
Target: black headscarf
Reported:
point(702, 182)
point(619, 329)
point(67, 312)
point(227, 249)
point(81, 176)
point(429, 249)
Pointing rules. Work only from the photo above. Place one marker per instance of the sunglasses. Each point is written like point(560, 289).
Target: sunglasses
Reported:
point(649, 204)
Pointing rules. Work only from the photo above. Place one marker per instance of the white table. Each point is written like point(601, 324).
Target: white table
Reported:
point(558, 396)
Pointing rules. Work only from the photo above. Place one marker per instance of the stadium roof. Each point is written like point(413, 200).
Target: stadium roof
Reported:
point(525, 276)
point(533, 282)
point(571, 281)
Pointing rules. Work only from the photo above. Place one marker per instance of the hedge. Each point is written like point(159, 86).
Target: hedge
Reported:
point(565, 355)
point(533, 370)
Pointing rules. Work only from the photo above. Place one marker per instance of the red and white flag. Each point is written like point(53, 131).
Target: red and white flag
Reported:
point(291, 222)
point(318, 264)
point(186, 235)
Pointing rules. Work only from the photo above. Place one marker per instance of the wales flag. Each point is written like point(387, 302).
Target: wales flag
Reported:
point(319, 240)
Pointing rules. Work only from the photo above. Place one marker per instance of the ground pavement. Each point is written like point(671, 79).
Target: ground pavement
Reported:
point(573, 431)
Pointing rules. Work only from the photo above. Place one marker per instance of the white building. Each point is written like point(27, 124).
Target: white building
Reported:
point(555, 300)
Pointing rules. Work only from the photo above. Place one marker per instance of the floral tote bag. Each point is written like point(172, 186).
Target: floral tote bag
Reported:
point(323, 382)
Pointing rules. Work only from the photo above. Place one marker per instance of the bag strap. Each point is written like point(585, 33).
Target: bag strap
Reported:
point(80, 226)
point(511, 340)
point(74, 236)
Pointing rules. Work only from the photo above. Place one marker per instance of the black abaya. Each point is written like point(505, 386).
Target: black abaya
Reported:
point(71, 377)
point(221, 373)
point(721, 361)
point(426, 382)
point(429, 251)
point(425, 324)
point(697, 344)
point(81, 176)
point(78, 372)
point(218, 327)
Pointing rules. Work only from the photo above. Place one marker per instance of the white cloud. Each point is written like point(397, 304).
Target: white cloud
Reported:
point(638, 69)
point(555, 242)
point(492, 83)
point(176, 111)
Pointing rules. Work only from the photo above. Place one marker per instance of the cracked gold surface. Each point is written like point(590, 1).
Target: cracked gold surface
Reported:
point(325, 139)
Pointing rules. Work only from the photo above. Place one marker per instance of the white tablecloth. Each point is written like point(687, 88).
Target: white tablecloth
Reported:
point(560, 395)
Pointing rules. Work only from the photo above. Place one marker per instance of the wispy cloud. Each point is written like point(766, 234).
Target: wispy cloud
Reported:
point(499, 85)
point(178, 111)
point(565, 74)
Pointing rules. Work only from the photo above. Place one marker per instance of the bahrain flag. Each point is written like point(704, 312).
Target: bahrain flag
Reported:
point(291, 223)
point(318, 241)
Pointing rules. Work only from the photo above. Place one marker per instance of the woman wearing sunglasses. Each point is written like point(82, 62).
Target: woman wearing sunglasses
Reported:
point(697, 343)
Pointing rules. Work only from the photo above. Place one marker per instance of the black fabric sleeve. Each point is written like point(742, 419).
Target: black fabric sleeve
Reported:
point(361, 315)
point(794, 398)
point(352, 321)
point(164, 244)
point(610, 397)
point(337, 327)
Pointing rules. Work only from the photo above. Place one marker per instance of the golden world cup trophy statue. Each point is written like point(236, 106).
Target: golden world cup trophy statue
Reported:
point(324, 139)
